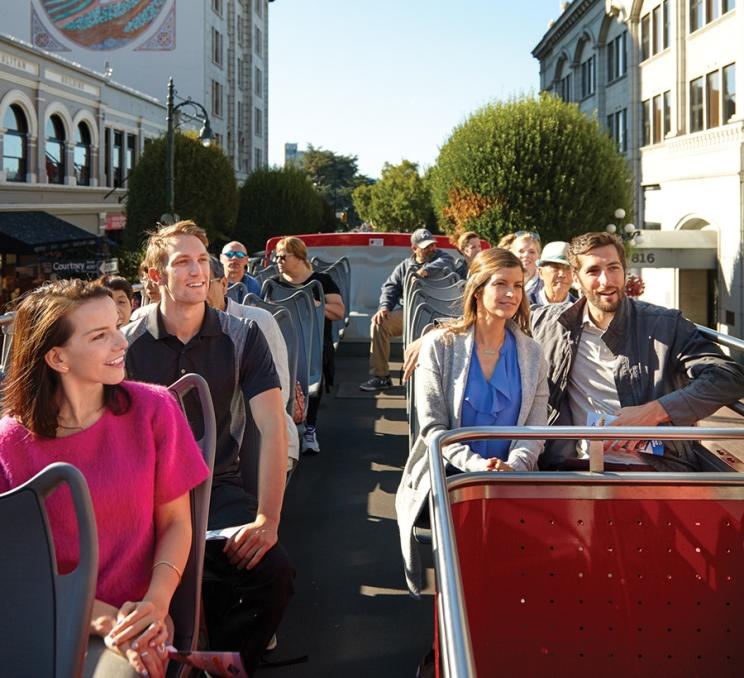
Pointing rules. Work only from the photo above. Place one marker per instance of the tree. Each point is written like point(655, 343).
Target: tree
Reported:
point(277, 201)
point(334, 176)
point(399, 201)
point(529, 164)
point(205, 189)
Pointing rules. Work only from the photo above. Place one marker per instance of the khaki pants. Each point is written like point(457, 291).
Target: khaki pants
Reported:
point(379, 356)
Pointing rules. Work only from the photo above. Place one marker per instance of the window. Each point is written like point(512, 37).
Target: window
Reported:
point(645, 37)
point(616, 61)
point(117, 158)
point(257, 164)
point(729, 92)
point(713, 99)
point(617, 127)
point(239, 22)
point(81, 157)
point(240, 115)
point(588, 77)
point(696, 105)
point(711, 10)
point(696, 15)
point(666, 25)
point(258, 123)
point(216, 98)
point(131, 154)
point(55, 150)
point(15, 146)
point(241, 79)
point(259, 7)
point(217, 47)
point(656, 30)
point(217, 6)
point(259, 82)
point(646, 122)
point(667, 112)
point(656, 123)
point(107, 155)
point(257, 48)
point(727, 5)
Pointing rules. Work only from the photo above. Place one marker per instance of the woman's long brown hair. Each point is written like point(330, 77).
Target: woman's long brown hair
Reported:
point(483, 266)
point(31, 387)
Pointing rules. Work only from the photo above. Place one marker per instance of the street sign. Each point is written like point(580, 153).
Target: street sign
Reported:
point(80, 267)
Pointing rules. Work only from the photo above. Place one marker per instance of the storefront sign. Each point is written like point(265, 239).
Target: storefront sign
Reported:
point(116, 222)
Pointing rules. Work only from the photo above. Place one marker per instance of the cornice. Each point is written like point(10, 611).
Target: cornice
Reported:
point(574, 12)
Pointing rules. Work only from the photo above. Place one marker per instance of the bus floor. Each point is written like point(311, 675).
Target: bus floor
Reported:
point(351, 612)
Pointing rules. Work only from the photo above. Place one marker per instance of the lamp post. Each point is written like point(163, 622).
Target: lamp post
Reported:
point(205, 135)
point(629, 233)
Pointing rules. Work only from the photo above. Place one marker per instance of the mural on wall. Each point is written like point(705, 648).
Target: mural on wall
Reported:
point(103, 24)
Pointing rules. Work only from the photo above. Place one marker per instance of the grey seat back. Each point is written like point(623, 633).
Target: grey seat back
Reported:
point(46, 616)
point(185, 606)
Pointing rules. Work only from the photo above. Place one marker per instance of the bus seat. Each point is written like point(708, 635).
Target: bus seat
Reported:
point(185, 606)
point(618, 574)
point(46, 619)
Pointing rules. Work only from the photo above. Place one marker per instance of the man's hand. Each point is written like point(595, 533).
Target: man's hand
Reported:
point(378, 317)
point(422, 273)
point(410, 358)
point(249, 544)
point(496, 464)
point(650, 414)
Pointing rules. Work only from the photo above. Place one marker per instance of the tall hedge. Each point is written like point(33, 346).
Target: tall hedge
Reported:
point(529, 164)
point(279, 201)
point(205, 189)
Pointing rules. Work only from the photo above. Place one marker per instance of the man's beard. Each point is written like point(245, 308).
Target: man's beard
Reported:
point(596, 300)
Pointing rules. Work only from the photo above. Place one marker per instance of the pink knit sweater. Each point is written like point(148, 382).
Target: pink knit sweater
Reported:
point(132, 463)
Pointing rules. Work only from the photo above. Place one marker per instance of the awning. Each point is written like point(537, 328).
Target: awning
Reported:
point(694, 249)
point(40, 232)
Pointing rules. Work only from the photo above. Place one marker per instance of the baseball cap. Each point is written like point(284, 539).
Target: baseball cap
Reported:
point(422, 237)
point(554, 253)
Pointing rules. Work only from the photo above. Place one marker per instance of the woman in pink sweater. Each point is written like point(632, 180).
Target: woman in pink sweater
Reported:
point(65, 400)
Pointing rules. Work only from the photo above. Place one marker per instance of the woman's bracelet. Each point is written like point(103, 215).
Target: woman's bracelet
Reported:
point(167, 563)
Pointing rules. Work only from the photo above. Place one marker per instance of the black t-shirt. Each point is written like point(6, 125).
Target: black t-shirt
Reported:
point(329, 287)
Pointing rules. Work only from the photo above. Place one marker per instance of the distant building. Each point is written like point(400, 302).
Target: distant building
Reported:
point(293, 157)
point(215, 50)
point(69, 138)
point(661, 77)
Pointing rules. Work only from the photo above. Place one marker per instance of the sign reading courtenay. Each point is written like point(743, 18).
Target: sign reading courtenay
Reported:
point(85, 267)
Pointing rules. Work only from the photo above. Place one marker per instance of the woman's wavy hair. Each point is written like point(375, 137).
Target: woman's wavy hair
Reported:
point(483, 266)
point(42, 322)
point(294, 246)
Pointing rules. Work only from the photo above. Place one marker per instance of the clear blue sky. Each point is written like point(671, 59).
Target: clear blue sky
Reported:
point(389, 79)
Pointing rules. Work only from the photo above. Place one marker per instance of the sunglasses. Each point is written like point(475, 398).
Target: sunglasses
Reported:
point(283, 257)
point(232, 254)
point(529, 234)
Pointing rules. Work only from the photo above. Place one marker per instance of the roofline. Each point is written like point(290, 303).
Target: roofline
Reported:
point(565, 22)
point(100, 77)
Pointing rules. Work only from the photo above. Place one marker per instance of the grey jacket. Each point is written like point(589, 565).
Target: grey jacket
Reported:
point(392, 289)
point(441, 377)
point(662, 356)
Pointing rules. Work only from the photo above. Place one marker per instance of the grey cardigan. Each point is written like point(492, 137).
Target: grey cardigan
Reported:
point(441, 377)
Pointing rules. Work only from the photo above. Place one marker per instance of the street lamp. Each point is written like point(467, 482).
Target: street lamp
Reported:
point(205, 136)
point(629, 233)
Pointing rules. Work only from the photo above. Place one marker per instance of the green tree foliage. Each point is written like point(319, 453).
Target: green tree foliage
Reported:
point(399, 201)
point(205, 189)
point(335, 177)
point(529, 164)
point(276, 201)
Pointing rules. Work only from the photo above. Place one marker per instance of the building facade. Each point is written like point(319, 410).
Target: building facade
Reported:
point(215, 50)
point(663, 83)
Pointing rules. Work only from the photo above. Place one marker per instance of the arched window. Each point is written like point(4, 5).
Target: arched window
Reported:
point(15, 146)
point(563, 80)
point(82, 154)
point(55, 150)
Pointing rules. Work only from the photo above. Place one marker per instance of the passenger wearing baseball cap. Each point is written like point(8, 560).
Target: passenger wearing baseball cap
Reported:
point(555, 276)
point(425, 261)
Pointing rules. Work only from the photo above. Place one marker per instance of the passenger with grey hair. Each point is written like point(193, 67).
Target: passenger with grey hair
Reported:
point(217, 298)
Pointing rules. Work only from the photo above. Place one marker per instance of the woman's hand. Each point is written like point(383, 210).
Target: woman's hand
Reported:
point(140, 634)
point(495, 464)
point(149, 662)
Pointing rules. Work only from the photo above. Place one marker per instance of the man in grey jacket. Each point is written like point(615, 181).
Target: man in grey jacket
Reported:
point(387, 323)
point(611, 355)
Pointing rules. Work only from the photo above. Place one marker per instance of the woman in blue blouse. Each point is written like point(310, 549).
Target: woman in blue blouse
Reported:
point(481, 370)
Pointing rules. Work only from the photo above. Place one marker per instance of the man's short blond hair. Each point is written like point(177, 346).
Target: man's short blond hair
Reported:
point(156, 248)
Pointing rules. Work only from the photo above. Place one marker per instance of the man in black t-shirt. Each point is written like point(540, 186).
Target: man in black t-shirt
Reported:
point(248, 577)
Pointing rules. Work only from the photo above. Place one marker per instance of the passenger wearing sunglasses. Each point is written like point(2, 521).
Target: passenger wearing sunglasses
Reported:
point(234, 258)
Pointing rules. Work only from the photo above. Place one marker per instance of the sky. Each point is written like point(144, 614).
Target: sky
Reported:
point(388, 80)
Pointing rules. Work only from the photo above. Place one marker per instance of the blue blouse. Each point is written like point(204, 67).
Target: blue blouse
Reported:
point(496, 402)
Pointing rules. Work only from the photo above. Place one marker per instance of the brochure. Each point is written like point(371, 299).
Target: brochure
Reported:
point(652, 447)
point(223, 533)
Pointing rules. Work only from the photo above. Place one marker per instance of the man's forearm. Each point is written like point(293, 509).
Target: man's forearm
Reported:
point(272, 472)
